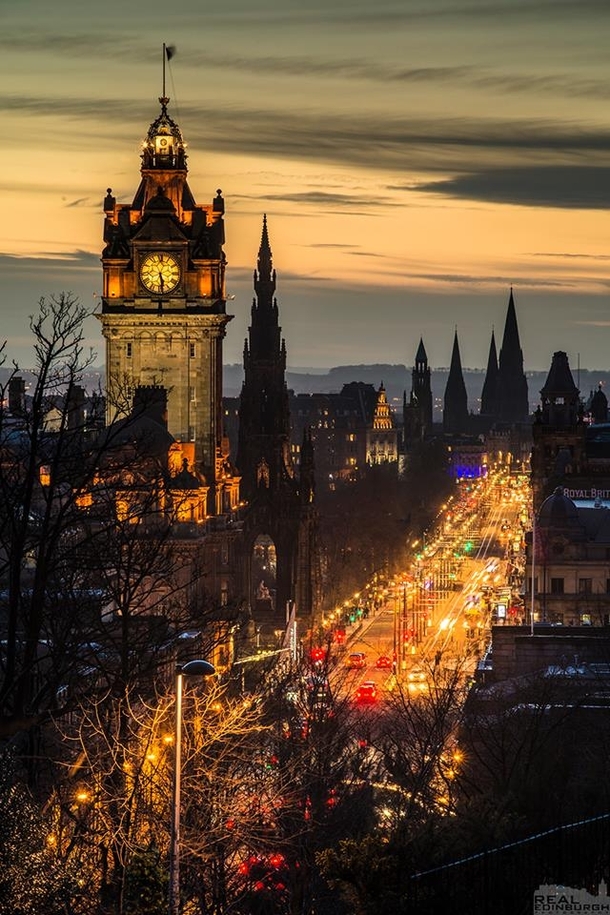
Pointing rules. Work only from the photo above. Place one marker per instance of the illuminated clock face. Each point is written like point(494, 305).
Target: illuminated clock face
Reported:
point(160, 272)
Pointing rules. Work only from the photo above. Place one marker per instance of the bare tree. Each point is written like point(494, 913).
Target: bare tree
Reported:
point(40, 474)
point(113, 802)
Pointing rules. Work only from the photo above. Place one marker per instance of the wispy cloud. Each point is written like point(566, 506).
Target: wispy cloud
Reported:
point(46, 262)
point(475, 157)
point(565, 186)
point(567, 255)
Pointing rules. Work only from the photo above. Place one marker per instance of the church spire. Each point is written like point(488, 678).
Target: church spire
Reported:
point(489, 394)
point(513, 405)
point(455, 413)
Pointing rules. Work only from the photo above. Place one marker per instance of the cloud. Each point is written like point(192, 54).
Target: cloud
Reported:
point(565, 186)
point(467, 149)
point(47, 263)
point(591, 323)
point(478, 280)
point(528, 83)
point(323, 198)
point(565, 254)
point(343, 247)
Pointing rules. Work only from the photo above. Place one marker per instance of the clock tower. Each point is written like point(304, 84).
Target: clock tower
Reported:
point(164, 303)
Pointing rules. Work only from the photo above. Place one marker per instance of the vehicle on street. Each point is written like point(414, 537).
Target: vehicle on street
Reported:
point(417, 680)
point(383, 662)
point(356, 660)
point(366, 692)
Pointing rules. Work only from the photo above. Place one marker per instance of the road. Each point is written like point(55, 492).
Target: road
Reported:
point(440, 610)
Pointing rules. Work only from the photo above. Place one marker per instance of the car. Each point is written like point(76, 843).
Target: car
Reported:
point(367, 692)
point(356, 660)
point(417, 680)
point(383, 662)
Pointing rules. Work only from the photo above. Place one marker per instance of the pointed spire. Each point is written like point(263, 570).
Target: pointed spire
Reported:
point(265, 262)
point(264, 275)
point(264, 415)
point(420, 356)
point(513, 405)
point(489, 394)
point(455, 413)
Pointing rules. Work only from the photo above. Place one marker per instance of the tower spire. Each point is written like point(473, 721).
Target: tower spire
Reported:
point(265, 260)
point(489, 394)
point(513, 405)
point(264, 429)
point(455, 413)
point(421, 390)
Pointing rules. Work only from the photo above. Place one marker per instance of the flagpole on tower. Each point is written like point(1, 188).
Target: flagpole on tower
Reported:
point(164, 58)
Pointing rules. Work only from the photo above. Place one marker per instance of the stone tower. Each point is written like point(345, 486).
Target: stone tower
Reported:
point(417, 411)
point(421, 388)
point(558, 432)
point(164, 304)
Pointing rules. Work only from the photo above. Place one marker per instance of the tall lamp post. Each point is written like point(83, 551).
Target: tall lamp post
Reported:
point(196, 668)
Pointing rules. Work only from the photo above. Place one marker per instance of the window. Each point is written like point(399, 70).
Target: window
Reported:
point(608, 586)
point(557, 586)
point(128, 350)
point(192, 350)
point(585, 585)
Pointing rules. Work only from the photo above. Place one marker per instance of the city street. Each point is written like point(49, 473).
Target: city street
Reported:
point(441, 609)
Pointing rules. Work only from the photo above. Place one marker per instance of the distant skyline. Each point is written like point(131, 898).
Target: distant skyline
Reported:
point(415, 158)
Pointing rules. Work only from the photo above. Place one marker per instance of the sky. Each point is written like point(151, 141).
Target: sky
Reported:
point(415, 158)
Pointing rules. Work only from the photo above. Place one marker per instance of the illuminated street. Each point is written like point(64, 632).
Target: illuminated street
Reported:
point(468, 576)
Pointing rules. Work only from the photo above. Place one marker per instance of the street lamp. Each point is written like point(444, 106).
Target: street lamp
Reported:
point(196, 668)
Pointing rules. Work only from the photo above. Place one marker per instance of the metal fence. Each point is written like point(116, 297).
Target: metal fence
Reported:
point(502, 881)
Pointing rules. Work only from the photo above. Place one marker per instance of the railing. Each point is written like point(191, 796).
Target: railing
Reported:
point(503, 880)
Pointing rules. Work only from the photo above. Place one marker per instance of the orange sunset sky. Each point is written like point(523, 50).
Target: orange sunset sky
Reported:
point(415, 158)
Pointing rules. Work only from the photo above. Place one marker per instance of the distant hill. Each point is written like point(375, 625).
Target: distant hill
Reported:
point(396, 379)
